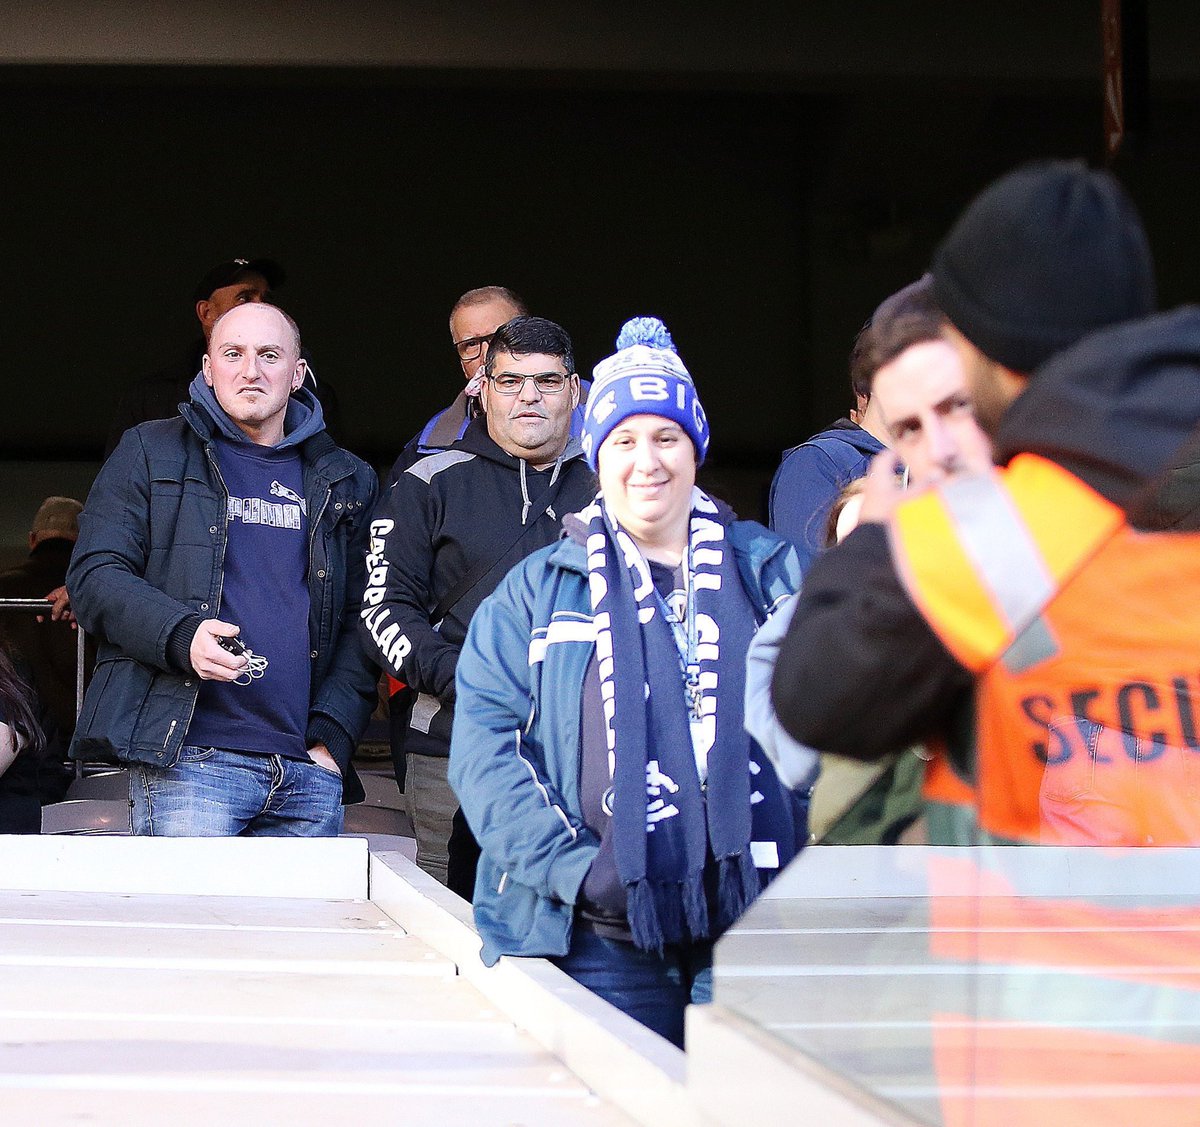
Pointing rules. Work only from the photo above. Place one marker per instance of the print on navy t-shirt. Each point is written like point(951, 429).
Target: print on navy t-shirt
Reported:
point(265, 592)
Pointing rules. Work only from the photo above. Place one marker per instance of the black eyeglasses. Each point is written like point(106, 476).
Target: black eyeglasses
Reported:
point(548, 383)
point(470, 347)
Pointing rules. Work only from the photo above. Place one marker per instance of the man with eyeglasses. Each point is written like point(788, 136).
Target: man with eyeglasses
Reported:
point(443, 536)
point(475, 317)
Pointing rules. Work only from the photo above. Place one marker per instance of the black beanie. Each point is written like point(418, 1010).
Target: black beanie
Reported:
point(1041, 258)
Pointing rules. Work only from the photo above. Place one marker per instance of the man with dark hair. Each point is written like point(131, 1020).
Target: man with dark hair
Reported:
point(919, 387)
point(1084, 718)
point(239, 281)
point(447, 531)
point(813, 474)
point(219, 564)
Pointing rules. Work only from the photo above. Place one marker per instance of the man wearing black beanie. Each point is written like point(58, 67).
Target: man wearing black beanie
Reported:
point(1044, 256)
point(1030, 585)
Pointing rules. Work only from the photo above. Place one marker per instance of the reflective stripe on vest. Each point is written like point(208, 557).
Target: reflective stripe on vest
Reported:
point(983, 555)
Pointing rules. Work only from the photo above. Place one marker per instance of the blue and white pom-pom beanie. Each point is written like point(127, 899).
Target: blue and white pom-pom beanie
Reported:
point(643, 377)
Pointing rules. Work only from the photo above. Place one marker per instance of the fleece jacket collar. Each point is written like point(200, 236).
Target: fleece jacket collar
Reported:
point(476, 440)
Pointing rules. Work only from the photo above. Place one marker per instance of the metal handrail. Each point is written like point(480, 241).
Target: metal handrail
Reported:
point(43, 607)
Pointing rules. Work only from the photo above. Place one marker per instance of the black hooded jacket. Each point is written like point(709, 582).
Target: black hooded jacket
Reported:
point(442, 537)
point(860, 672)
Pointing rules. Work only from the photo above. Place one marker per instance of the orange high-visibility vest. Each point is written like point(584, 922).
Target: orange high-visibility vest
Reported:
point(1085, 638)
point(950, 815)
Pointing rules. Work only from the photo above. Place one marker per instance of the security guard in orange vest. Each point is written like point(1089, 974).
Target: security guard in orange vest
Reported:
point(1034, 583)
point(1080, 630)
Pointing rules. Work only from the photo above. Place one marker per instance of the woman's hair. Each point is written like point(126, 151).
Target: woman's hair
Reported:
point(17, 707)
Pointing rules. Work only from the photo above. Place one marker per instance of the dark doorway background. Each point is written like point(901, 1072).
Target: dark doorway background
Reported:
point(384, 202)
point(762, 217)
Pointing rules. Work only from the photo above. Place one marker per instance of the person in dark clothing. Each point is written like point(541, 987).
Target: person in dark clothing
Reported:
point(474, 318)
point(443, 536)
point(225, 286)
point(869, 664)
point(49, 648)
point(21, 740)
point(219, 564)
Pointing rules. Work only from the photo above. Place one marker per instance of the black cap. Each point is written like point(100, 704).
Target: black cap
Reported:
point(227, 273)
point(1046, 255)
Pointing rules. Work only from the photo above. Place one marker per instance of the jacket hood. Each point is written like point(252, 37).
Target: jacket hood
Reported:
point(1118, 409)
point(843, 430)
point(476, 440)
point(303, 418)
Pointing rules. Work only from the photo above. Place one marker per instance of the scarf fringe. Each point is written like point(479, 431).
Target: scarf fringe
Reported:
point(667, 912)
point(644, 925)
point(737, 886)
point(695, 906)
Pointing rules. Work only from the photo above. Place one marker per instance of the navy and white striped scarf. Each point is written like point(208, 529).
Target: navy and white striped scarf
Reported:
point(665, 825)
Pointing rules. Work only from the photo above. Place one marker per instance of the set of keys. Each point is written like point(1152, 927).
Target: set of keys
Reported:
point(257, 665)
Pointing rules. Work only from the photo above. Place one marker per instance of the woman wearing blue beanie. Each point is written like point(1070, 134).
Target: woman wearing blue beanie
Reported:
point(626, 818)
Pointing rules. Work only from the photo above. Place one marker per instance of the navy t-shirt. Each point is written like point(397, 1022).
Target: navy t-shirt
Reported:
point(265, 592)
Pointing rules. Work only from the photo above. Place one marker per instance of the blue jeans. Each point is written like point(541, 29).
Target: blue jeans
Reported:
point(654, 990)
point(214, 793)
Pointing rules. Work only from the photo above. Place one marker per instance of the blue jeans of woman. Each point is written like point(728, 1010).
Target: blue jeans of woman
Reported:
point(651, 988)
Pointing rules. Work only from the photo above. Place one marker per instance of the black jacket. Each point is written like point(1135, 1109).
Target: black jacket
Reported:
point(453, 516)
point(147, 569)
point(860, 671)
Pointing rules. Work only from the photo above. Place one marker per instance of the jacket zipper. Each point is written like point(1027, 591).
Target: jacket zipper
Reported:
point(220, 581)
point(313, 525)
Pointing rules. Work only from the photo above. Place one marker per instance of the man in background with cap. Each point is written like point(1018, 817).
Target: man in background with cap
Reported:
point(225, 286)
point(444, 535)
point(995, 580)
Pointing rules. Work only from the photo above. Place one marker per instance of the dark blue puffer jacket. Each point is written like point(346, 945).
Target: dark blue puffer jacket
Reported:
point(149, 556)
